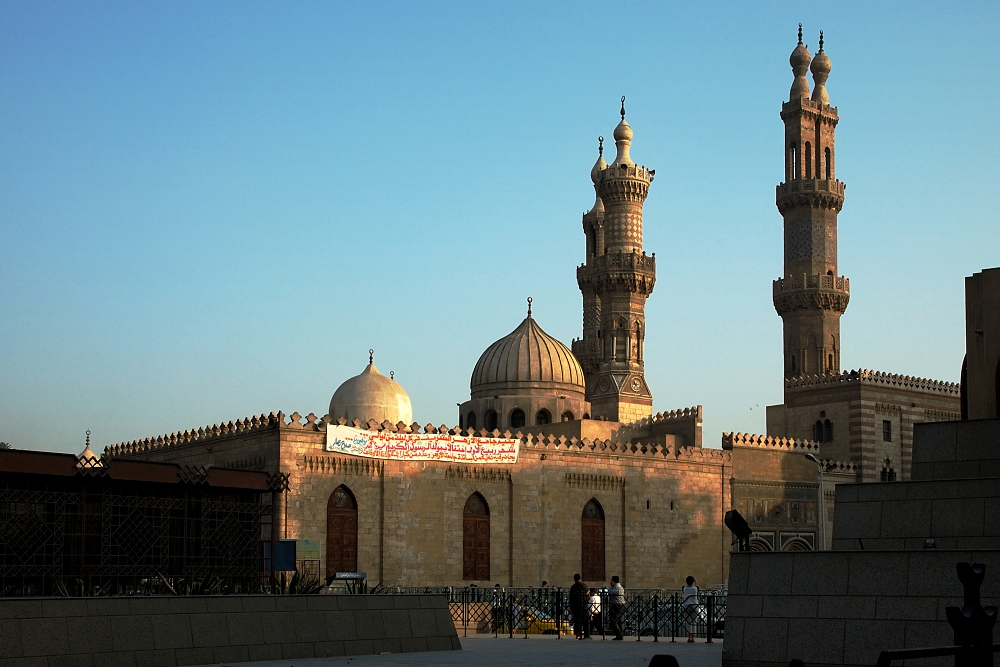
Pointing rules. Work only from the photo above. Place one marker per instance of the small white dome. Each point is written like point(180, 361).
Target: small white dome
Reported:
point(371, 395)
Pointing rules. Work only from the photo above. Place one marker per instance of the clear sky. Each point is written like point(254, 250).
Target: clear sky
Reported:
point(213, 209)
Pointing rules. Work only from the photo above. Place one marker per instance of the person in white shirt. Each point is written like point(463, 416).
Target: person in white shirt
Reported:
point(595, 610)
point(690, 605)
point(616, 602)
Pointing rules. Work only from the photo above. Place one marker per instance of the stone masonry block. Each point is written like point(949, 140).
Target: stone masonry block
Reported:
point(978, 439)
point(820, 573)
point(770, 574)
point(230, 653)
point(445, 624)
point(171, 631)
point(846, 493)
point(358, 647)
point(155, 658)
point(906, 518)
point(743, 606)
point(322, 603)
point(14, 608)
point(991, 519)
point(765, 639)
point(413, 644)
point(132, 633)
point(922, 634)
point(433, 601)
point(739, 566)
point(956, 469)
point(881, 492)
point(381, 602)
point(108, 607)
point(245, 629)
point(208, 631)
point(259, 603)
point(194, 656)
point(857, 520)
point(153, 605)
point(386, 645)
point(846, 606)
point(396, 623)
point(422, 623)
point(406, 601)
point(10, 637)
point(340, 625)
point(291, 603)
point(310, 626)
point(369, 624)
point(296, 650)
point(115, 659)
point(866, 639)
point(439, 644)
point(958, 517)
point(932, 573)
point(906, 608)
point(933, 442)
point(734, 637)
point(226, 604)
point(877, 573)
point(65, 607)
point(816, 641)
point(280, 626)
point(789, 606)
point(261, 652)
point(328, 649)
point(44, 636)
point(982, 488)
point(72, 660)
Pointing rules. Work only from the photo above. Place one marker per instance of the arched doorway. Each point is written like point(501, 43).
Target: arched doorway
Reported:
point(592, 548)
point(341, 532)
point(476, 539)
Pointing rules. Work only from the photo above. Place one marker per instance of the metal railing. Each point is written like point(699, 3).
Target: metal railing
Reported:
point(645, 613)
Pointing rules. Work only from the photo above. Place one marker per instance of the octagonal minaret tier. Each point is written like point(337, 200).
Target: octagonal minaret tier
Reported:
point(811, 297)
point(615, 281)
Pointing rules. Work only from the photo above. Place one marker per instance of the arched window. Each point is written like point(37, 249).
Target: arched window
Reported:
point(567, 416)
point(827, 431)
point(797, 544)
point(829, 362)
point(586, 415)
point(793, 162)
point(476, 539)
point(826, 163)
point(809, 157)
point(818, 431)
point(517, 418)
point(638, 342)
point(793, 364)
point(759, 544)
point(592, 533)
point(543, 417)
point(591, 242)
point(490, 420)
point(470, 421)
point(341, 532)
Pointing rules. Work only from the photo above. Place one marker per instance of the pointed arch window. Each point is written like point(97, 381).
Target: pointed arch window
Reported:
point(517, 418)
point(826, 163)
point(592, 547)
point(476, 539)
point(470, 421)
point(543, 417)
point(341, 532)
point(809, 154)
point(490, 420)
point(567, 416)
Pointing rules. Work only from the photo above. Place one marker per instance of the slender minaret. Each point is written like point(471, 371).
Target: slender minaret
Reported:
point(811, 297)
point(616, 280)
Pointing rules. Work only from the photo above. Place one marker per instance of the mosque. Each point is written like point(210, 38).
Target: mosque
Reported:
point(558, 463)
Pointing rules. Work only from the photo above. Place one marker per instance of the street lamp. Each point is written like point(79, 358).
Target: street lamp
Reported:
point(822, 500)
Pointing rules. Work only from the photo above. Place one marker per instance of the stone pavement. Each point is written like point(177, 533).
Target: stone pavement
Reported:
point(537, 651)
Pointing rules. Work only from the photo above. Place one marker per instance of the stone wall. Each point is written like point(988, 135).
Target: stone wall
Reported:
point(175, 631)
point(844, 607)
point(957, 449)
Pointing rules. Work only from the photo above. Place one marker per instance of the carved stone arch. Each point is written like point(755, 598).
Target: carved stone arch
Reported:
point(476, 539)
point(795, 544)
point(592, 541)
point(341, 532)
point(759, 544)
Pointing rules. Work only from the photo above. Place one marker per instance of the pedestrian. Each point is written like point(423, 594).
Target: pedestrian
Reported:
point(616, 604)
point(595, 612)
point(578, 602)
point(690, 605)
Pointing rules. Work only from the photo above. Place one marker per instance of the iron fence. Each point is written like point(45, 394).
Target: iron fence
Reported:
point(649, 613)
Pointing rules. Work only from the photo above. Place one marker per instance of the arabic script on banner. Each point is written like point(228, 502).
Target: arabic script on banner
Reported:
point(420, 446)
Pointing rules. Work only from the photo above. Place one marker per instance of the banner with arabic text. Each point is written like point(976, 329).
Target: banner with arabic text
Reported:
point(420, 446)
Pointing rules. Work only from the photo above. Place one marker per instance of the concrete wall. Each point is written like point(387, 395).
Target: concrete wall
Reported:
point(844, 607)
point(957, 513)
point(957, 450)
point(174, 631)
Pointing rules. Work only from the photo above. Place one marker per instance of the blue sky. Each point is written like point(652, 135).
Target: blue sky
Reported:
point(210, 210)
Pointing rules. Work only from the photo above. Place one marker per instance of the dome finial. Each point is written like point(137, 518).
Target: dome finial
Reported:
point(88, 438)
point(371, 356)
point(623, 107)
point(820, 40)
point(600, 146)
point(392, 375)
point(529, 306)
point(800, 33)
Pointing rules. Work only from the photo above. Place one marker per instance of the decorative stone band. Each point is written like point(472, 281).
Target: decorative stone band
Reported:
point(632, 281)
point(809, 192)
point(864, 376)
point(810, 109)
point(811, 292)
point(618, 172)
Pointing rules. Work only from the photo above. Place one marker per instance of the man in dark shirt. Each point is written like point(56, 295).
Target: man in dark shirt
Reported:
point(578, 602)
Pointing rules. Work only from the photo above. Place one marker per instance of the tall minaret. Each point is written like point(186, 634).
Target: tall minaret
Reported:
point(615, 281)
point(811, 297)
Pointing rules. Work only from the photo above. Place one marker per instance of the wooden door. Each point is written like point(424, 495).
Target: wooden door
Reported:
point(476, 539)
point(341, 532)
point(592, 548)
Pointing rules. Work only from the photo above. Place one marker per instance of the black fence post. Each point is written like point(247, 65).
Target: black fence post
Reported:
point(510, 615)
point(558, 614)
point(637, 617)
point(673, 616)
point(710, 621)
point(656, 617)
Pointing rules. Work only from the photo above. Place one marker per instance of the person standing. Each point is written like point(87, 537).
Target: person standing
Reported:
point(595, 612)
point(616, 604)
point(578, 603)
point(690, 605)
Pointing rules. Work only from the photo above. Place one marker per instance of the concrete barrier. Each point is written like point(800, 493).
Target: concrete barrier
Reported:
point(194, 630)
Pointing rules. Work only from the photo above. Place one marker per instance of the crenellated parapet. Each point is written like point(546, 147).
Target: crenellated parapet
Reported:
point(812, 193)
point(865, 376)
point(730, 440)
point(694, 412)
point(629, 272)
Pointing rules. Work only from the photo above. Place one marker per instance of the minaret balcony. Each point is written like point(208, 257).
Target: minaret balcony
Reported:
point(618, 272)
point(811, 292)
point(813, 192)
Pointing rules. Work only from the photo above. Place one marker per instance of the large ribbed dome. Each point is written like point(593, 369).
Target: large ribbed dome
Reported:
point(527, 360)
point(371, 395)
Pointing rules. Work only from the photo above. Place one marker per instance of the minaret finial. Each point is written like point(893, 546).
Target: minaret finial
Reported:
point(392, 375)
point(529, 306)
point(800, 33)
point(623, 107)
point(600, 145)
point(820, 40)
point(88, 437)
point(371, 356)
